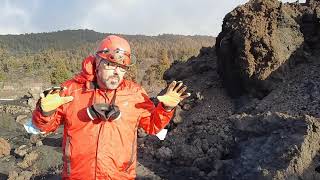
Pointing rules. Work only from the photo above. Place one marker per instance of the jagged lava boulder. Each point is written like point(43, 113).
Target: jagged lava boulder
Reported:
point(261, 40)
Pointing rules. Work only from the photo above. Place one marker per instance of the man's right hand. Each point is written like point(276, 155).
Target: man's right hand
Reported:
point(53, 100)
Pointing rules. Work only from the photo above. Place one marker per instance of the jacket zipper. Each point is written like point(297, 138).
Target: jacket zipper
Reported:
point(132, 147)
point(95, 174)
point(67, 155)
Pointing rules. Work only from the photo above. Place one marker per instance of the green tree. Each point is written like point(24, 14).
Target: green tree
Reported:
point(2, 76)
point(164, 60)
point(59, 73)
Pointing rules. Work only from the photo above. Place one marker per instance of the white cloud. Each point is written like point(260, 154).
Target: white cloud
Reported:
point(150, 17)
point(10, 15)
point(15, 18)
point(155, 17)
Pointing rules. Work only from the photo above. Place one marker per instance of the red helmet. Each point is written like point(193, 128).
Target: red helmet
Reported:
point(115, 49)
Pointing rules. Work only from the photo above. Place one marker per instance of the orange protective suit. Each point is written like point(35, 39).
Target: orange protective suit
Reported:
point(101, 149)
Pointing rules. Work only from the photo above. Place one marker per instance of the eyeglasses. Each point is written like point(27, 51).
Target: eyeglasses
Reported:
point(107, 65)
point(118, 55)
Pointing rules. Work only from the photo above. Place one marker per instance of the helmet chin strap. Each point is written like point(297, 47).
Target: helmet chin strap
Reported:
point(97, 74)
point(97, 66)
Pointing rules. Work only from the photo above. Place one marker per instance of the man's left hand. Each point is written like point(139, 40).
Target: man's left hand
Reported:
point(174, 95)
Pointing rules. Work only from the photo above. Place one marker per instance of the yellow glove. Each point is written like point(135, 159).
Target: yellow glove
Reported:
point(53, 100)
point(174, 95)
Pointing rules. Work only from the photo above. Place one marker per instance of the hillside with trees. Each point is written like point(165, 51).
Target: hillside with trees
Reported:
point(56, 56)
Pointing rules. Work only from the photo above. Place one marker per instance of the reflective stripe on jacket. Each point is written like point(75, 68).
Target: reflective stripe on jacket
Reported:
point(102, 149)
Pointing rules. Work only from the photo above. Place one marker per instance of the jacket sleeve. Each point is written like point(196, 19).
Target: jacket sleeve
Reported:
point(47, 123)
point(153, 118)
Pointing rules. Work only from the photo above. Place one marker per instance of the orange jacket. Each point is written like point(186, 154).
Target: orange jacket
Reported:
point(101, 149)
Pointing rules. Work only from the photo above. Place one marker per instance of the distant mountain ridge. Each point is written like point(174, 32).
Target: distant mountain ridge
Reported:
point(71, 39)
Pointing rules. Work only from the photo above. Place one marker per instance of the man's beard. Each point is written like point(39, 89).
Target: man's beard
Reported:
point(112, 82)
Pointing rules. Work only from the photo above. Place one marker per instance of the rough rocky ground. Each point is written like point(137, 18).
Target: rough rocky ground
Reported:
point(269, 129)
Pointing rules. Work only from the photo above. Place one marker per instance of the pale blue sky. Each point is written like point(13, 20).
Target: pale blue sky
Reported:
point(149, 17)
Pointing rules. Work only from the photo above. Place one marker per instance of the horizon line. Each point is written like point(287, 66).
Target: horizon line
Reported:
point(116, 33)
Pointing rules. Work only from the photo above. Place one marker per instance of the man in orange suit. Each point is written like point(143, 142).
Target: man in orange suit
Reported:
point(101, 111)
